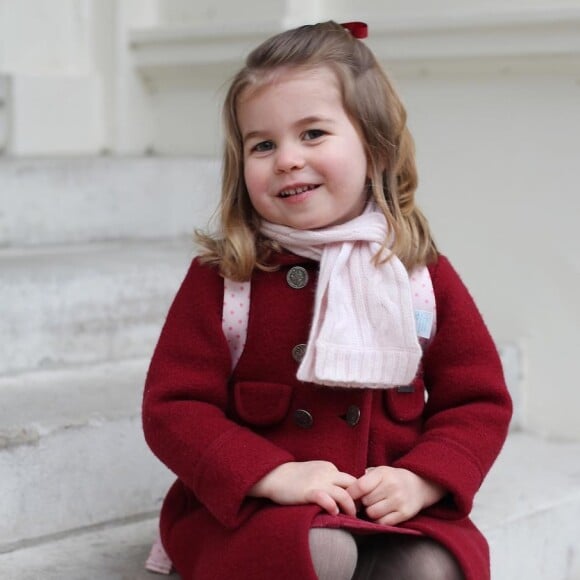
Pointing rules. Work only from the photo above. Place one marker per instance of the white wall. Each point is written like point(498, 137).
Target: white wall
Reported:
point(207, 12)
point(67, 82)
point(53, 99)
point(498, 159)
point(40, 36)
point(203, 11)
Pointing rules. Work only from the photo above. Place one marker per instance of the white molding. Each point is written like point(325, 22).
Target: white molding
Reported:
point(553, 32)
point(530, 33)
point(167, 47)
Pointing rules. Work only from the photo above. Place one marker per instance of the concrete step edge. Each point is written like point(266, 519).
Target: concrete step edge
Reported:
point(39, 404)
point(77, 478)
point(111, 551)
point(83, 459)
point(72, 200)
point(86, 304)
point(112, 524)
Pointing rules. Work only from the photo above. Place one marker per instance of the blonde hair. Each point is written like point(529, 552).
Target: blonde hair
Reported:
point(374, 108)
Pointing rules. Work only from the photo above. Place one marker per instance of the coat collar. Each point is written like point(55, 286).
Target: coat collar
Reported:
point(286, 258)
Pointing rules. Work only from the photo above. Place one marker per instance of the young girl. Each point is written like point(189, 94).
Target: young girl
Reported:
point(351, 435)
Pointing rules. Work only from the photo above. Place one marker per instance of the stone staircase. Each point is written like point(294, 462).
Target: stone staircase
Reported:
point(91, 253)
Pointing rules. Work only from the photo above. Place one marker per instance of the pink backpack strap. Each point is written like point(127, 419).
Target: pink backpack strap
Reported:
point(423, 304)
point(158, 560)
point(236, 310)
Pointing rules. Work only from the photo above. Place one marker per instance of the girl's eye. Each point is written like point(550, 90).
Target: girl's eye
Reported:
point(263, 146)
point(313, 134)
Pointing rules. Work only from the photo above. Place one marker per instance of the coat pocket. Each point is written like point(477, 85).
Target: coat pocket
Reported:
point(405, 403)
point(262, 404)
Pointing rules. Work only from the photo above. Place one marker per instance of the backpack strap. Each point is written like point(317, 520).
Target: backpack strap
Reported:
point(236, 309)
point(423, 305)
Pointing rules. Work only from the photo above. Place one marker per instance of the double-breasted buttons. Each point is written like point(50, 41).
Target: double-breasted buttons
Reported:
point(303, 418)
point(298, 352)
point(297, 277)
point(352, 416)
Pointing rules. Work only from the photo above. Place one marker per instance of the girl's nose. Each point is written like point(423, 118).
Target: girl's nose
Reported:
point(289, 158)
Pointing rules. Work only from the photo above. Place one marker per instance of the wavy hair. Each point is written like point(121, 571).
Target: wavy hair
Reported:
point(375, 109)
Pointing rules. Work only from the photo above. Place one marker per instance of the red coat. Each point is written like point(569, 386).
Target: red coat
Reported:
point(220, 434)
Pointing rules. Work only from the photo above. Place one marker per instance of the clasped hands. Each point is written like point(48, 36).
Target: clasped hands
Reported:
point(389, 495)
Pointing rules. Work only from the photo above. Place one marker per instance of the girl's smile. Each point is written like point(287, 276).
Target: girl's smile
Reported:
point(305, 164)
point(296, 190)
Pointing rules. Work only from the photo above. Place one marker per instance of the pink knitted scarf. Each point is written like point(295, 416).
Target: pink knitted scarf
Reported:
point(363, 328)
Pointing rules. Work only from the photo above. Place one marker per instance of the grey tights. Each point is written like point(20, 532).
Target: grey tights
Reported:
point(336, 556)
point(334, 553)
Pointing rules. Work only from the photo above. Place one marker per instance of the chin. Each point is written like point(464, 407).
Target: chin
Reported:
point(314, 225)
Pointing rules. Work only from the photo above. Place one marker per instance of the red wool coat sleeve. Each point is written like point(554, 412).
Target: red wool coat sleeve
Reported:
point(185, 400)
point(468, 409)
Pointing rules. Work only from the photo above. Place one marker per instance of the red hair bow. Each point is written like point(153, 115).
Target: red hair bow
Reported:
point(357, 29)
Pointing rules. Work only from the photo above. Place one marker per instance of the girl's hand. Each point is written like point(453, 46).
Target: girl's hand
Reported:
point(303, 482)
point(392, 495)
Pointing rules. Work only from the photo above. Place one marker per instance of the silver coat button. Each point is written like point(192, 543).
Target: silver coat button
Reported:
point(298, 352)
point(303, 418)
point(297, 277)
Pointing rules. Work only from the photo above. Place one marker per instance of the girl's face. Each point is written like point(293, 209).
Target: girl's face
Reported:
point(304, 161)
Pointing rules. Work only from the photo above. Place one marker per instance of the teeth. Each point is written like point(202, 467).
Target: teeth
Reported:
point(296, 191)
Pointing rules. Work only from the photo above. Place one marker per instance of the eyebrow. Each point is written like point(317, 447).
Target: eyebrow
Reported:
point(311, 119)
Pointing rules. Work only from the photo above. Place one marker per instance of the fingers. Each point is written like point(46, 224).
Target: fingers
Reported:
point(392, 509)
point(344, 480)
point(363, 486)
point(338, 492)
point(316, 481)
point(324, 500)
point(378, 510)
point(389, 513)
point(387, 493)
point(345, 501)
point(392, 519)
point(335, 499)
point(328, 488)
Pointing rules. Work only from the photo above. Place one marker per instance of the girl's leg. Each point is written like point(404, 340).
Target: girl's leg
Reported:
point(398, 557)
point(334, 553)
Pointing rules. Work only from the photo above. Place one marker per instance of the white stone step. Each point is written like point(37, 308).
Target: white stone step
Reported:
point(115, 552)
point(81, 304)
point(529, 509)
point(72, 452)
point(56, 201)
